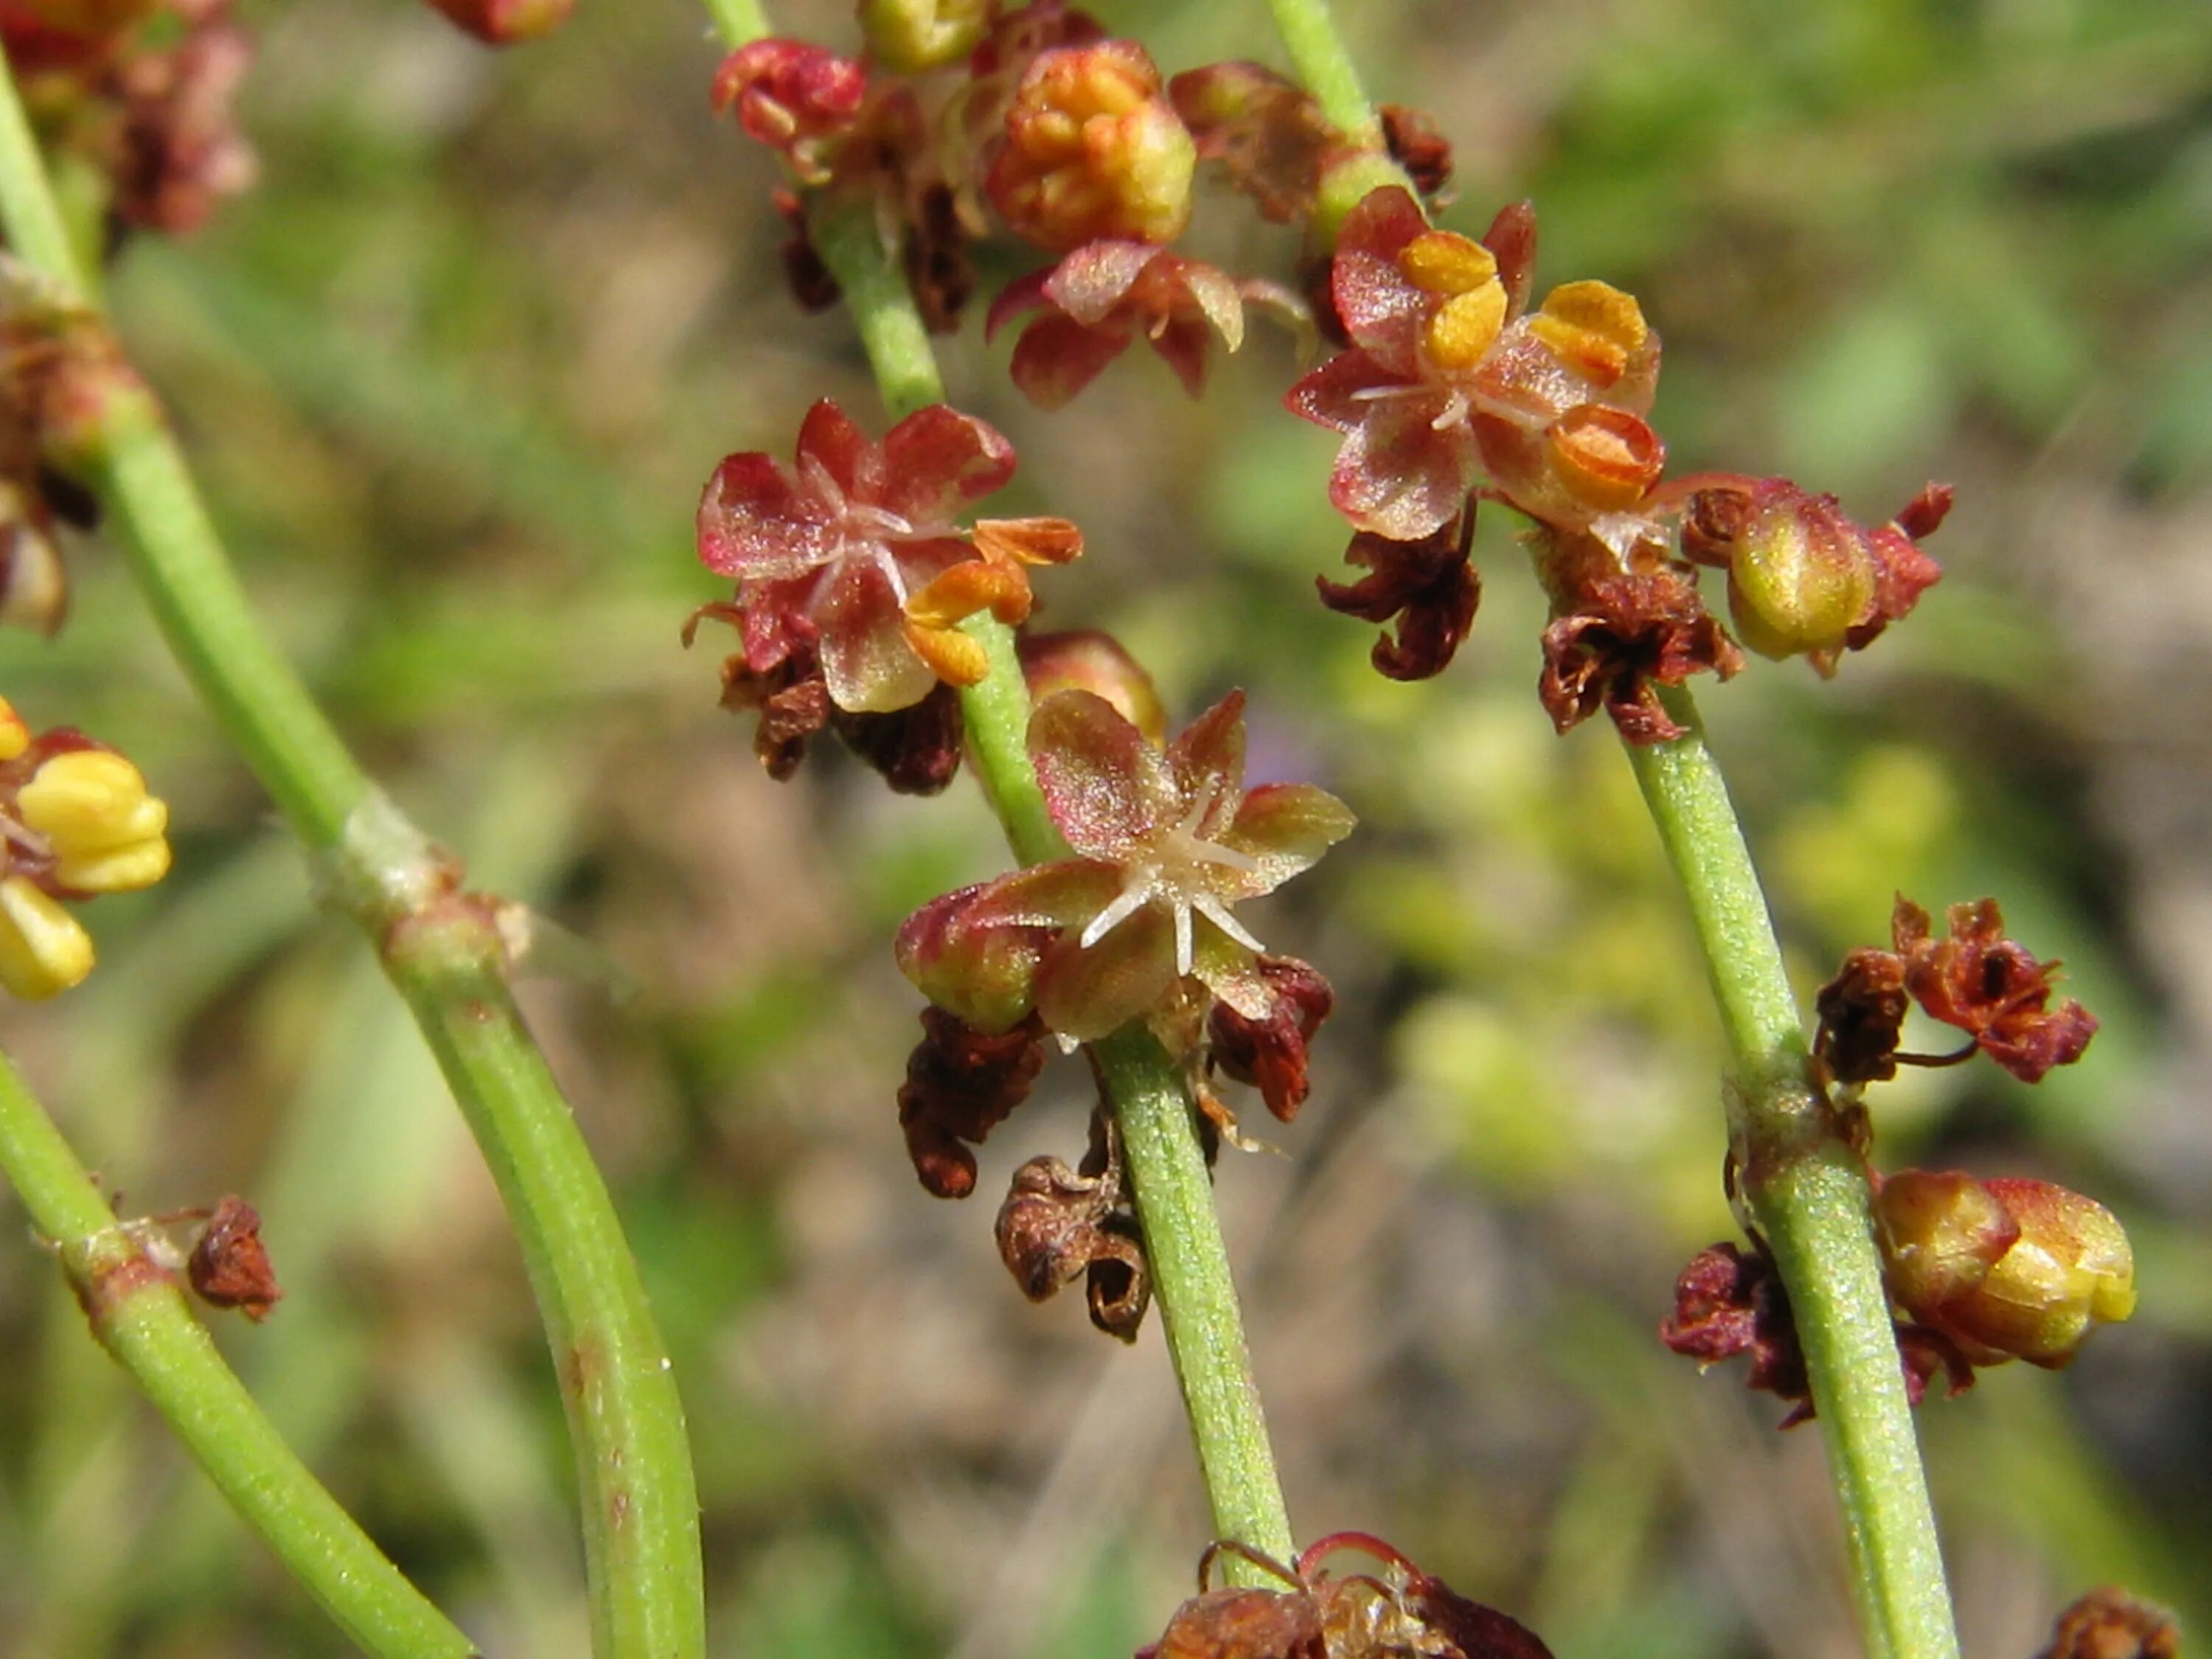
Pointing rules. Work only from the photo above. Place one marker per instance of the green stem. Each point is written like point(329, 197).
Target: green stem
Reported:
point(737, 20)
point(638, 1500)
point(1169, 1180)
point(140, 1316)
point(1326, 69)
point(1808, 1189)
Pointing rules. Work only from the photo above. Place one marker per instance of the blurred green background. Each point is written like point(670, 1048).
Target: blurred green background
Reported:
point(454, 373)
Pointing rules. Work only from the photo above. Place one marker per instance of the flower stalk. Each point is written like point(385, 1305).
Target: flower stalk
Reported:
point(441, 949)
point(1172, 1187)
point(138, 1313)
point(1807, 1190)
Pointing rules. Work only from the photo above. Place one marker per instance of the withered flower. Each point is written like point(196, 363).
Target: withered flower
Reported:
point(1269, 1054)
point(960, 1085)
point(1429, 584)
point(1418, 144)
point(1166, 843)
point(1984, 983)
point(1267, 132)
point(1730, 1301)
point(2108, 1623)
point(1862, 1013)
point(1625, 636)
point(915, 750)
point(1058, 1223)
point(229, 1266)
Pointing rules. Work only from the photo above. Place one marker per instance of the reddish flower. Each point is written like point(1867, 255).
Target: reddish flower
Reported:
point(855, 548)
point(1626, 636)
point(1983, 982)
point(1448, 375)
point(1270, 1054)
point(1267, 132)
point(1166, 843)
point(796, 97)
point(229, 1266)
point(1102, 296)
point(1093, 151)
point(960, 1085)
point(2004, 1269)
point(1429, 584)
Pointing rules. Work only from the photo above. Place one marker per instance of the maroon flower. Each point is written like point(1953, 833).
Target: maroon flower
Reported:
point(1984, 983)
point(229, 1266)
point(1429, 584)
point(1166, 843)
point(1102, 296)
point(794, 97)
point(960, 1085)
point(1417, 144)
point(1270, 1054)
point(854, 549)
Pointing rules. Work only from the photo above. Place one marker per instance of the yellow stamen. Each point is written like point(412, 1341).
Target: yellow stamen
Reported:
point(1466, 326)
point(1442, 262)
point(1592, 327)
point(43, 951)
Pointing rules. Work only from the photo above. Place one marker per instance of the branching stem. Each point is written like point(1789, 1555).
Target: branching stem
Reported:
point(442, 951)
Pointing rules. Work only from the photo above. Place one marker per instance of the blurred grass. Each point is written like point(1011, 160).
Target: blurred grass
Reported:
point(454, 373)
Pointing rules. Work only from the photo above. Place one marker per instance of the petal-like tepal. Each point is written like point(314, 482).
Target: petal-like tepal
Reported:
point(1090, 994)
point(865, 659)
point(1285, 827)
point(1208, 763)
point(828, 439)
point(1340, 394)
point(972, 966)
point(937, 460)
point(1097, 277)
point(1400, 474)
point(1066, 893)
point(1057, 357)
point(1380, 309)
point(755, 522)
point(1231, 971)
point(1108, 789)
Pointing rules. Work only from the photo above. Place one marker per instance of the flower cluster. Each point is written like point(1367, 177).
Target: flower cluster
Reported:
point(76, 822)
point(1454, 386)
point(966, 115)
point(1979, 1271)
point(143, 91)
point(1401, 1613)
point(852, 579)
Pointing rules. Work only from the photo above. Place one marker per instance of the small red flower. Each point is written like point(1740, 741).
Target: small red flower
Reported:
point(795, 97)
point(853, 548)
point(960, 1085)
point(1104, 295)
point(1270, 1054)
point(1167, 843)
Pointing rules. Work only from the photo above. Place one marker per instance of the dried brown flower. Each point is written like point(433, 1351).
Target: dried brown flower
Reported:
point(960, 1085)
point(229, 1267)
point(1625, 636)
point(1059, 1222)
point(1429, 584)
point(1270, 1054)
point(2108, 1623)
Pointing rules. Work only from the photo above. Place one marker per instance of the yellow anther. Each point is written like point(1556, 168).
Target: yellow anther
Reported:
point(1466, 326)
point(43, 951)
point(1442, 262)
point(15, 736)
point(124, 870)
point(1607, 457)
point(952, 656)
point(90, 803)
point(1592, 327)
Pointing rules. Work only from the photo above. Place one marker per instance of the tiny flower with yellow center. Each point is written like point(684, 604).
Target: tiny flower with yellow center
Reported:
point(75, 821)
point(1464, 274)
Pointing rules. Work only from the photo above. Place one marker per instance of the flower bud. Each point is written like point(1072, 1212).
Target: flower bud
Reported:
point(1800, 575)
point(787, 92)
point(1093, 149)
point(1087, 659)
point(43, 950)
point(507, 22)
point(107, 835)
point(910, 36)
point(2005, 1269)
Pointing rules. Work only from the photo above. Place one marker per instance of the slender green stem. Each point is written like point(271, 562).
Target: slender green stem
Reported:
point(1326, 69)
point(737, 20)
point(851, 243)
point(139, 1314)
point(638, 1500)
point(1169, 1182)
point(1808, 1191)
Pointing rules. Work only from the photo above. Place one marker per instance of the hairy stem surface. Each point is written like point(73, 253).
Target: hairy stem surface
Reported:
point(139, 1314)
point(1808, 1191)
point(638, 1497)
point(1169, 1180)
